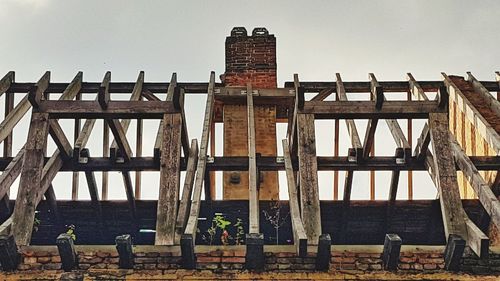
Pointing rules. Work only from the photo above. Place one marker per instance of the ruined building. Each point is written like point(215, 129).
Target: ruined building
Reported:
point(188, 234)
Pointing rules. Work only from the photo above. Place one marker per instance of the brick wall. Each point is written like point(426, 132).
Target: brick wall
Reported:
point(229, 262)
point(250, 59)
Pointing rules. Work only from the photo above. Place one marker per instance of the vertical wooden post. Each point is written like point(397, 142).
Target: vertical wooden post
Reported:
point(138, 153)
point(410, 141)
point(75, 179)
point(308, 177)
point(336, 153)
point(30, 185)
point(105, 153)
point(392, 247)
point(125, 251)
point(453, 252)
point(252, 166)
point(69, 258)
point(170, 162)
point(212, 153)
point(324, 252)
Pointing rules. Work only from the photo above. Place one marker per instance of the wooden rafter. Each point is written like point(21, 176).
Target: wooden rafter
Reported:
point(491, 102)
point(35, 95)
point(415, 88)
point(6, 81)
point(170, 97)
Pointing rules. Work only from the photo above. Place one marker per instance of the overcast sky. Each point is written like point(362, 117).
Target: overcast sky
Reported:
point(314, 38)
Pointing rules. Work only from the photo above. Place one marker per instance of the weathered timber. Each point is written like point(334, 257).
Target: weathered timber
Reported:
point(35, 95)
point(93, 190)
point(451, 206)
point(484, 193)
point(350, 124)
point(422, 143)
point(129, 191)
point(187, 250)
point(324, 252)
point(62, 143)
point(253, 192)
point(254, 258)
point(442, 97)
point(390, 255)
point(105, 153)
point(170, 162)
point(121, 139)
point(292, 118)
point(188, 238)
point(103, 94)
point(75, 186)
point(415, 88)
point(11, 172)
point(323, 94)
point(299, 233)
point(13, 118)
point(187, 191)
point(481, 125)
point(31, 176)
point(308, 174)
point(477, 240)
point(453, 252)
point(125, 251)
point(6, 81)
point(9, 256)
point(479, 88)
point(367, 109)
point(66, 248)
point(50, 196)
point(138, 153)
point(169, 98)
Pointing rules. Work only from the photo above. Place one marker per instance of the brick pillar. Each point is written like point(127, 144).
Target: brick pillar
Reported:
point(250, 59)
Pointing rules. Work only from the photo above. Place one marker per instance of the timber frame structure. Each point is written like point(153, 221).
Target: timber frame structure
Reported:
point(177, 216)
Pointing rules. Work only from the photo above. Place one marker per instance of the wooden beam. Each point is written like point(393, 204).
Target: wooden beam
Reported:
point(396, 131)
point(75, 186)
point(491, 102)
point(477, 240)
point(351, 125)
point(324, 252)
point(252, 167)
point(129, 191)
point(254, 256)
point(125, 251)
point(11, 173)
point(35, 95)
point(50, 196)
point(367, 110)
point(187, 190)
point(482, 126)
point(93, 190)
point(103, 94)
point(13, 118)
point(393, 189)
point(62, 143)
point(170, 162)
point(138, 153)
point(298, 231)
point(308, 176)
point(449, 197)
point(66, 248)
point(484, 193)
point(292, 127)
point(188, 238)
point(392, 247)
point(121, 139)
point(6, 81)
point(105, 153)
point(323, 94)
point(422, 143)
point(170, 97)
point(415, 88)
point(31, 175)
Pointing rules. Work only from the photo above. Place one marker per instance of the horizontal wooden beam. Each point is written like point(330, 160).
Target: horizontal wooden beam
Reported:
point(368, 110)
point(6, 81)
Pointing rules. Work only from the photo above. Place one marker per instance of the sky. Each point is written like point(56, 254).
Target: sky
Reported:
point(315, 39)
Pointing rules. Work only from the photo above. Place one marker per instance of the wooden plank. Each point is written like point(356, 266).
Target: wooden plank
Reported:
point(35, 95)
point(367, 110)
point(323, 94)
point(62, 143)
point(75, 186)
point(125, 123)
point(170, 97)
point(481, 125)
point(138, 153)
point(253, 192)
point(308, 176)
point(449, 197)
point(422, 143)
point(103, 96)
point(9, 107)
point(129, 191)
point(6, 81)
point(170, 162)
point(292, 127)
point(120, 138)
point(410, 141)
point(11, 173)
point(125, 251)
point(350, 124)
point(31, 178)
point(484, 193)
point(13, 118)
point(191, 226)
point(392, 248)
point(299, 233)
point(491, 102)
point(415, 88)
point(478, 241)
point(187, 190)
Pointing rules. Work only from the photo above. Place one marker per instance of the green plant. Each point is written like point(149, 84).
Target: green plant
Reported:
point(218, 222)
point(36, 224)
point(71, 231)
point(240, 232)
point(275, 218)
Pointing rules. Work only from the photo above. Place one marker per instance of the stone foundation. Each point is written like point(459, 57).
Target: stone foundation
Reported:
point(228, 263)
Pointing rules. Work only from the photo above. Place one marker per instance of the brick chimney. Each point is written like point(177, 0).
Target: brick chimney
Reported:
point(250, 59)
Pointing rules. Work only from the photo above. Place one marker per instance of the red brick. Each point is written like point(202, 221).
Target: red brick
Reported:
point(408, 259)
point(429, 266)
point(30, 260)
point(102, 254)
point(208, 259)
point(233, 260)
point(44, 259)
